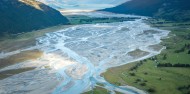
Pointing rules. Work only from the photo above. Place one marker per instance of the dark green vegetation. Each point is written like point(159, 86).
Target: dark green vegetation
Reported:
point(80, 19)
point(18, 16)
point(148, 76)
point(173, 65)
point(175, 10)
point(98, 90)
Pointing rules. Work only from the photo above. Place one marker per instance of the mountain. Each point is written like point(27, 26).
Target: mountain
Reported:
point(17, 16)
point(82, 4)
point(176, 10)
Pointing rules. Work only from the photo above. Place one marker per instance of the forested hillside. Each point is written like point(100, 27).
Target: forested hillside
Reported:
point(17, 16)
point(176, 10)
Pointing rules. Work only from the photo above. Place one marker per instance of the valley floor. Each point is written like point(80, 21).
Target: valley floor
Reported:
point(153, 74)
point(166, 73)
point(17, 45)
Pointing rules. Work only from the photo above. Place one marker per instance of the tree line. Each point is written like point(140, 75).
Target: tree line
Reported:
point(173, 65)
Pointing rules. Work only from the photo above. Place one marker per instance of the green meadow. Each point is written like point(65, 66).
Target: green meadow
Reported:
point(81, 19)
point(148, 76)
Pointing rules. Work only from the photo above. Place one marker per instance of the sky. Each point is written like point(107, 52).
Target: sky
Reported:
point(82, 4)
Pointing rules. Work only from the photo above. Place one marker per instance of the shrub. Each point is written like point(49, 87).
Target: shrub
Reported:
point(151, 90)
point(159, 78)
point(137, 80)
point(144, 60)
point(117, 83)
point(143, 84)
point(145, 73)
point(180, 50)
point(132, 74)
point(189, 52)
point(165, 57)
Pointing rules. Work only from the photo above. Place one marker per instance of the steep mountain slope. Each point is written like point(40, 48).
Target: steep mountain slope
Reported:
point(17, 16)
point(178, 10)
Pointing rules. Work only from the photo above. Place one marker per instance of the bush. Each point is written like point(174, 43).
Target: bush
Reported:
point(151, 90)
point(165, 65)
point(165, 57)
point(145, 73)
point(153, 58)
point(136, 66)
point(186, 46)
point(159, 78)
point(184, 87)
point(137, 80)
point(144, 60)
point(132, 74)
point(117, 83)
point(143, 84)
point(189, 52)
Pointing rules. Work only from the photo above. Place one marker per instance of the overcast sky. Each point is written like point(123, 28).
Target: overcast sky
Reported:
point(82, 4)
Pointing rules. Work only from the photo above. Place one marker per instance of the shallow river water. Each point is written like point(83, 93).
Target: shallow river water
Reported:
point(78, 55)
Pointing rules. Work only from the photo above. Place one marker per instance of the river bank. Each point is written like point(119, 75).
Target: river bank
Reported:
point(19, 65)
point(20, 48)
point(145, 74)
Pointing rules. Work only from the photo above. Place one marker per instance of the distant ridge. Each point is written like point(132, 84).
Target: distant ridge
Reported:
point(17, 16)
point(176, 10)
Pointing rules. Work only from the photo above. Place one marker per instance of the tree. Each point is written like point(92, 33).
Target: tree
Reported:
point(189, 52)
point(143, 84)
point(165, 57)
point(151, 90)
point(132, 74)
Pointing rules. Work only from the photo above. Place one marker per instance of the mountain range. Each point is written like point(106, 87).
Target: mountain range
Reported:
point(17, 16)
point(82, 4)
point(175, 10)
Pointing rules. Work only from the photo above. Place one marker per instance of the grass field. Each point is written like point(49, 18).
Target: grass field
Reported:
point(81, 19)
point(159, 80)
point(98, 90)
